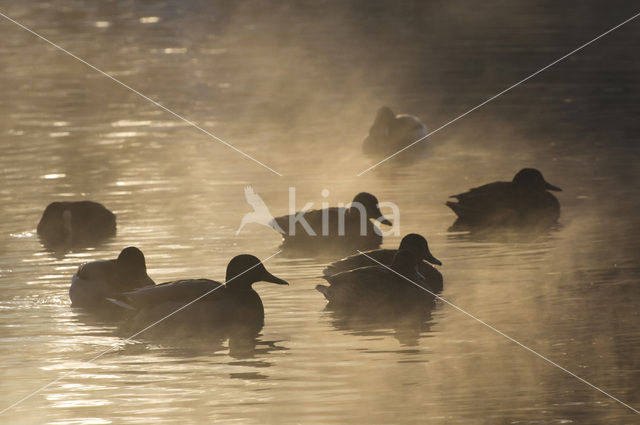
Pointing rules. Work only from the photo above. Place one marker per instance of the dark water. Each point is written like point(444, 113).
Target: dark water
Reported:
point(296, 85)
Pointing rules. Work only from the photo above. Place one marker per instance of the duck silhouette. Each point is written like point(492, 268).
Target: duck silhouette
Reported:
point(260, 213)
point(334, 229)
point(391, 288)
point(391, 133)
point(203, 304)
point(413, 242)
point(96, 281)
point(523, 203)
point(79, 223)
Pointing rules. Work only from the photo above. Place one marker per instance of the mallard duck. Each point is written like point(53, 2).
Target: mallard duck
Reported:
point(342, 229)
point(96, 281)
point(390, 133)
point(378, 287)
point(218, 305)
point(76, 223)
point(413, 242)
point(521, 203)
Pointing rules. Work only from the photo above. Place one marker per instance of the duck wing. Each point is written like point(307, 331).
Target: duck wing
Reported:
point(405, 124)
point(92, 283)
point(368, 258)
point(484, 193)
point(483, 199)
point(313, 218)
point(98, 270)
point(180, 291)
point(359, 286)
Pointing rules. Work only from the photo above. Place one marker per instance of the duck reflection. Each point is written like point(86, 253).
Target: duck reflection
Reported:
point(240, 343)
point(504, 235)
point(407, 325)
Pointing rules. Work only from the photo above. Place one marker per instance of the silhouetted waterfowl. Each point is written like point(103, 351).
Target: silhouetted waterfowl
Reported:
point(76, 223)
point(378, 287)
point(390, 133)
point(94, 282)
point(522, 203)
point(234, 303)
point(413, 242)
point(342, 229)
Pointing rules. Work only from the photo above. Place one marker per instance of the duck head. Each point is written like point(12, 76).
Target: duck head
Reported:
point(131, 263)
point(369, 203)
point(419, 247)
point(384, 116)
point(531, 178)
point(406, 263)
point(245, 270)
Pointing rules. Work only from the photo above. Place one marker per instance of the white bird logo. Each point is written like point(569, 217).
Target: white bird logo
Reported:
point(260, 213)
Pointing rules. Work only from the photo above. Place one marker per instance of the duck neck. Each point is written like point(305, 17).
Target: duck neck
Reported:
point(239, 285)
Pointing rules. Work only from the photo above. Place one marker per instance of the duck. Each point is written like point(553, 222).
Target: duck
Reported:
point(523, 203)
point(95, 281)
point(336, 228)
point(76, 223)
point(386, 289)
point(413, 242)
point(391, 133)
point(203, 304)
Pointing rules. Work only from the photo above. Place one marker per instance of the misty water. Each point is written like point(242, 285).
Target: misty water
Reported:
point(296, 86)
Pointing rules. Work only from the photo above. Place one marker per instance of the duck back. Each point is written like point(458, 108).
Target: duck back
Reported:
point(89, 223)
point(356, 234)
point(503, 204)
point(374, 287)
point(220, 310)
point(432, 281)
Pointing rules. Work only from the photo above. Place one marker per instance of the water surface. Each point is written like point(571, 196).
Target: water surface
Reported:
point(296, 86)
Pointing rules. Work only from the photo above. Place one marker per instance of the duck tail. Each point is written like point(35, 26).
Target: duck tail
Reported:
point(121, 304)
point(457, 208)
point(323, 290)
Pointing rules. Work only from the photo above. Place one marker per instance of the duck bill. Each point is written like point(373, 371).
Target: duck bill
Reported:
point(384, 220)
point(273, 279)
point(549, 186)
point(431, 259)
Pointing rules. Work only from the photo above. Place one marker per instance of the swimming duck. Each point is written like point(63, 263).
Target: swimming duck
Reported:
point(94, 282)
point(413, 242)
point(378, 287)
point(390, 133)
point(76, 223)
point(233, 303)
point(521, 203)
point(337, 228)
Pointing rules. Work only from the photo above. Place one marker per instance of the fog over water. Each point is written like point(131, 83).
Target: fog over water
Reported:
point(296, 85)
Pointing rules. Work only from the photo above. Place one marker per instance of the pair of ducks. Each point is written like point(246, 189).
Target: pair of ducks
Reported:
point(123, 283)
point(355, 282)
point(523, 204)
